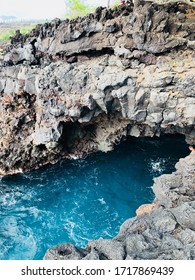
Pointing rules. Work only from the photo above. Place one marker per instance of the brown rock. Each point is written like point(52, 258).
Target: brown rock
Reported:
point(146, 208)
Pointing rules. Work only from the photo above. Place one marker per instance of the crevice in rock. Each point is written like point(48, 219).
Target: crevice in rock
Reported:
point(73, 134)
point(84, 55)
point(102, 256)
point(125, 252)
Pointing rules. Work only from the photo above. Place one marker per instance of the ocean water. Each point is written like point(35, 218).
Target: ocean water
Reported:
point(79, 200)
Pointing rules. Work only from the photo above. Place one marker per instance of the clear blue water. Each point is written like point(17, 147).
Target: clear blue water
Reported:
point(79, 200)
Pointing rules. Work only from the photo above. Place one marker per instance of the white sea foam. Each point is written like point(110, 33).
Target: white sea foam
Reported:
point(29, 195)
point(19, 241)
point(157, 165)
point(105, 232)
point(8, 199)
point(69, 226)
point(38, 214)
point(102, 201)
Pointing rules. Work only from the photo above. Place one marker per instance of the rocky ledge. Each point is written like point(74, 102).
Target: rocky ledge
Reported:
point(74, 87)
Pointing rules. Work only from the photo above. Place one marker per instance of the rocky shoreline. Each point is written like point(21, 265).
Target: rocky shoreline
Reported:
point(166, 231)
point(74, 87)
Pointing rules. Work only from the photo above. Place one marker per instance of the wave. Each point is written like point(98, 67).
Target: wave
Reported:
point(158, 165)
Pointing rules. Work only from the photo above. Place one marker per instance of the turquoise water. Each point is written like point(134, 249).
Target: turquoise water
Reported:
point(79, 200)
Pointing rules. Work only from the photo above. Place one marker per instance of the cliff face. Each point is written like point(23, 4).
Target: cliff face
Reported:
point(74, 87)
point(79, 86)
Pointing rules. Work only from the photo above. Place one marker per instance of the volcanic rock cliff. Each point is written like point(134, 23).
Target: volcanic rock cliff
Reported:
point(74, 87)
point(77, 86)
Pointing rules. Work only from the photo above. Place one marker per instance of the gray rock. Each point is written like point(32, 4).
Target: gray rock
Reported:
point(134, 244)
point(64, 252)
point(107, 249)
point(171, 190)
point(21, 54)
point(186, 236)
point(185, 215)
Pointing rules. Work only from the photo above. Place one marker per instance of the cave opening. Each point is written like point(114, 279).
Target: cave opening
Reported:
point(73, 134)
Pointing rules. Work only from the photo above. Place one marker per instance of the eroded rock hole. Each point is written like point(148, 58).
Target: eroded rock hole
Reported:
point(74, 134)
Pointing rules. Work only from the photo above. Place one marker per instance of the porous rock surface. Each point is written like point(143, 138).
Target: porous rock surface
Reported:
point(70, 88)
point(74, 87)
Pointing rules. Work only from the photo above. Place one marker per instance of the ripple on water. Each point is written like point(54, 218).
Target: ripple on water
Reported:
point(76, 201)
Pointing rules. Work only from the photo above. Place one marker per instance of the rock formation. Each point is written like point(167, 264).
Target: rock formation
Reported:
point(78, 86)
point(74, 87)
